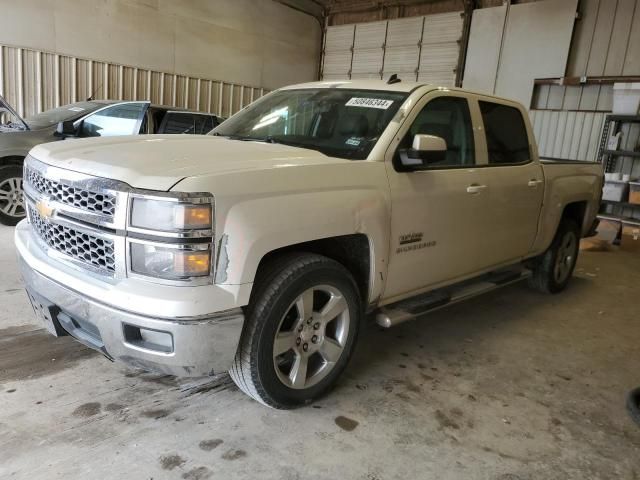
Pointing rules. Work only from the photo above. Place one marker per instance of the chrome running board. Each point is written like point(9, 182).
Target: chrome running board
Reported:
point(405, 310)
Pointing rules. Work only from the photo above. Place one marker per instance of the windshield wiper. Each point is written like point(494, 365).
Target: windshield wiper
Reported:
point(232, 137)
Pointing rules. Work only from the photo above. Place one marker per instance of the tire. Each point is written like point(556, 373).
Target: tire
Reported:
point(315, 348)
point(11, 196)
point(633, 404)
point(552, 270)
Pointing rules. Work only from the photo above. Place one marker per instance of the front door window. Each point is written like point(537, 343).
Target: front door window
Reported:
point(120, 119)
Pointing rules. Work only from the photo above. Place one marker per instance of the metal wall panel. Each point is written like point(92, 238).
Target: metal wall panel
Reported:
point(419, 48)
point(33, 81)
point(606, 39)
point(573, 97)
point(440, 48)
point(569, 135)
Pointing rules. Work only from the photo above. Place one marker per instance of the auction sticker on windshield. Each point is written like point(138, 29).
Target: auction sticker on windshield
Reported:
point(369, 103)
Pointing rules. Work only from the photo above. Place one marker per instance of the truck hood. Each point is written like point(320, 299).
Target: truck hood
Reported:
point(158, 162)
point(5, 107)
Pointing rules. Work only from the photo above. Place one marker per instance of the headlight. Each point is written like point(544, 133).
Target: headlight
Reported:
point(171, 236)
point(171, 262)
point(170, 215)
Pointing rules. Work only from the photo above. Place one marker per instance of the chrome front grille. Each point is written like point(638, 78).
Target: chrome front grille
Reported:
point(102, 203)
point(80, 246)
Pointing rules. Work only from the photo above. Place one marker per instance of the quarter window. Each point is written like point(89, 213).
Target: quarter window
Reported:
point(507, 139)
point(449, 119)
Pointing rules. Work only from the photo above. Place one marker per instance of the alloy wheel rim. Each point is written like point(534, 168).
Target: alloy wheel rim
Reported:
point(565, 258)
point(11, 197)
point(311, 337)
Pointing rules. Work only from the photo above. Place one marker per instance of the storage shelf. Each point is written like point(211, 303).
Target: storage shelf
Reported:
point(624, 118)
point(620, 204)
point(622, 153)
point(617, 218)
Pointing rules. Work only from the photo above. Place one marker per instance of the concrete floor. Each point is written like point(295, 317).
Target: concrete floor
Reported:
point(512, 385)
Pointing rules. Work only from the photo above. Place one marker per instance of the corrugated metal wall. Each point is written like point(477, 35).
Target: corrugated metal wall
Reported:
point(606, 42)
point(33, 81)
point(569, 135)
point(420, 48)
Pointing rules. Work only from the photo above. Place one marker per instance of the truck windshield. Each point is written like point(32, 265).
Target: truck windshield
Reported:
point(61, 114)
point(337, 122)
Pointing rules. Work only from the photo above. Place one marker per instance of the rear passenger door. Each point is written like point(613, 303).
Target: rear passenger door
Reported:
point(515, 186)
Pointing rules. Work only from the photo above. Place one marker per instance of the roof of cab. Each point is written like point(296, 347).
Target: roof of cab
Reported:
point(402, 86)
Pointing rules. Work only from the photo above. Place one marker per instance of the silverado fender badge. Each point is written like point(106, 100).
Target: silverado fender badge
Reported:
point(44, 209)
point(413, 241)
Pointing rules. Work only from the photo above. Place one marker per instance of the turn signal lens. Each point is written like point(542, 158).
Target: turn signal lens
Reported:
point(192, 216)
point(192, 264)
point(169, 262)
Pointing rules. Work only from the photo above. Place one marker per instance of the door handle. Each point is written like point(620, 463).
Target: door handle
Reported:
point(533, 183)
point(475, 188)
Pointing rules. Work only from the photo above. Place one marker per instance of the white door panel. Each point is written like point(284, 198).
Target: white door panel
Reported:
point(515, 199)
point(436, 227)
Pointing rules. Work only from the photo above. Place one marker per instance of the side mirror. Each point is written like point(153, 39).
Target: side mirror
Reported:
point(425, 149)
point(65, 129)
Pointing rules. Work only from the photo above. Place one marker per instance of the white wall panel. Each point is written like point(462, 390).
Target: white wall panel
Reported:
point(419, 48)
point(535, 45)
point(236, 41)
point(405, 32)
point(370, 35)
point(33, 81)
point(483, 51)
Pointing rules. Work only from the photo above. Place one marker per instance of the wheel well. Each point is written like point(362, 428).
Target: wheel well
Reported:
point(12, 160)
point(352, 251)
point(575, 211)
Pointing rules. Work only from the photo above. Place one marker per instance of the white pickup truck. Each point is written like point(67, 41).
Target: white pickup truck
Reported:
point(259, 248)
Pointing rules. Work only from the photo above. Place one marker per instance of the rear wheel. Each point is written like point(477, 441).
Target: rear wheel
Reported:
point(12, 208)
point(553, 270)
point(299, 333)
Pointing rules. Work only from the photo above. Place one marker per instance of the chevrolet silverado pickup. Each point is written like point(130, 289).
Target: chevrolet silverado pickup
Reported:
point(261, 247)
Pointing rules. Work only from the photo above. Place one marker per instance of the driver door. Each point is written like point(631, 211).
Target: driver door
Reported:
point(440, 209)
point(119, 119)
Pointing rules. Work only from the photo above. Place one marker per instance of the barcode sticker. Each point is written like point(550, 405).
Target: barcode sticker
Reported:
point(369, 103)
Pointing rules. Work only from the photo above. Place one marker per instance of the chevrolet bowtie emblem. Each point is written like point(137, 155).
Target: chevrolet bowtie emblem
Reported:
point(44, 209)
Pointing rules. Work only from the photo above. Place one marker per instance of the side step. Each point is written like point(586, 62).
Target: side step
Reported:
point(405, 310)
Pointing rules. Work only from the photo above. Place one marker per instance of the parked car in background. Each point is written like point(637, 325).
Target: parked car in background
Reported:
point(92, 118)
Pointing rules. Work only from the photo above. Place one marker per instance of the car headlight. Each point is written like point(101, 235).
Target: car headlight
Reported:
point(171, 262)
point(170, 215)
point(171, 236)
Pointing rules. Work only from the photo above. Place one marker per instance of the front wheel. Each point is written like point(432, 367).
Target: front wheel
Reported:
point(11, 196)
point(553, 270)
point(300, 330)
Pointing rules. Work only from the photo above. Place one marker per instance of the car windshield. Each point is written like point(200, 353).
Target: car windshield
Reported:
point(61, 114)
point(338, 122)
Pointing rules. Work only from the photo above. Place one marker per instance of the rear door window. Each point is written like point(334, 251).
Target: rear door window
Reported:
point(507, 139)
point(185, 122)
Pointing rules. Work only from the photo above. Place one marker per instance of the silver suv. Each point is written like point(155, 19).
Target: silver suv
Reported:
point(92, 118)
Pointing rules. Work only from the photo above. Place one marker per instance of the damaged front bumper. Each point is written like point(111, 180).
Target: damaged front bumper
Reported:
point(183, 346)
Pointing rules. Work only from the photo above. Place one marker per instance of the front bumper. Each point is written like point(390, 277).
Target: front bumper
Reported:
point(183, 346)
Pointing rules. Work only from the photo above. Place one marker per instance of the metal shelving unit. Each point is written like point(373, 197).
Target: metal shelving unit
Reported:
point(609, 158)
